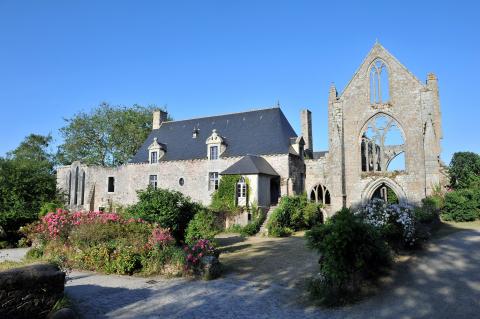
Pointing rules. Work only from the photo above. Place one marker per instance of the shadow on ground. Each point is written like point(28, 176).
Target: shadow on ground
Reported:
point(443, 281)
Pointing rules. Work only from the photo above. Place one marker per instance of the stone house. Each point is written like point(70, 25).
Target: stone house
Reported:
point(384, 133)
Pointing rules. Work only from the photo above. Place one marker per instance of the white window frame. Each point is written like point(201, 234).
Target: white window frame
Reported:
point(213, 181)
point(153, 181)
point(153, 157)
point(213, 155)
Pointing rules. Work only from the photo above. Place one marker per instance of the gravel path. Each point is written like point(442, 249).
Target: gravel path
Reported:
point(443, 282)
point(15, 254)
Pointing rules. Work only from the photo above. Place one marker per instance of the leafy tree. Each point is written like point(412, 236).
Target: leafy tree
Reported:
point(27, 180)
point(465, 170)
point(108, 135)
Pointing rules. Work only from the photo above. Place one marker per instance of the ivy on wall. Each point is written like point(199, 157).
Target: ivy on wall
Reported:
point(225, 197)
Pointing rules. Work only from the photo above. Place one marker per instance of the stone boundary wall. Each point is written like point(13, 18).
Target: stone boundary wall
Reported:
point(31, 291)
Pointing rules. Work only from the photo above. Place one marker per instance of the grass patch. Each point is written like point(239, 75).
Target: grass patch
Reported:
point(7, 265)
point(450, 227)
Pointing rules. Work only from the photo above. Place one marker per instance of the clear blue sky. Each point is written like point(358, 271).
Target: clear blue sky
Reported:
point(208, 57)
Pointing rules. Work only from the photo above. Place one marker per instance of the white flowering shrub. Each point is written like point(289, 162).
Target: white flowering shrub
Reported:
point(390, 219)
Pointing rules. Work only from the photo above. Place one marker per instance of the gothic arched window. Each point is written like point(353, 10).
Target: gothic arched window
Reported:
point(382, 145)
point(320, 194)
point(379, 82)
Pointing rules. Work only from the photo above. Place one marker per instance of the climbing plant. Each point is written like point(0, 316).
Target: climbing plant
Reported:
point(224, 198)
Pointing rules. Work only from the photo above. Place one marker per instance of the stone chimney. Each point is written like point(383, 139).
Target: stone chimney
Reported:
point(306, 121)
point(159, 117)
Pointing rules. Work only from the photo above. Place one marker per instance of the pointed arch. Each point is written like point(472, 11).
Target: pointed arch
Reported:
point(372, 187)
point(381, 139)
point(320, 194)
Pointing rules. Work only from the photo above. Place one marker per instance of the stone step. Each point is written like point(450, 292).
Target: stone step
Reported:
point(263, 229)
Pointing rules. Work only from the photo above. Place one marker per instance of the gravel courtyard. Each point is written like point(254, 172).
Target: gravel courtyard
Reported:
point(441, 282)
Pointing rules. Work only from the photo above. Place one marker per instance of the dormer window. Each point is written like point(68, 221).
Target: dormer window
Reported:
point(155, 151)
point(213, 152)
point(154, 157)
point(215, 146)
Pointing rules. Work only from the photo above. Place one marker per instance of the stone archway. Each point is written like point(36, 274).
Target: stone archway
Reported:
point(374, 186)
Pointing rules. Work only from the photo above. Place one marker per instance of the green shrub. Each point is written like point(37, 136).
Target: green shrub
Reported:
point(462, 205)
point(202, 226)
point(49, 207)
point(351, 252)
point(235, 228)
point(292, 214)
point(429, 211)
point(167, 261)
point(312, 214)
point(170, 209)
point(34, 253)
point(254, 226)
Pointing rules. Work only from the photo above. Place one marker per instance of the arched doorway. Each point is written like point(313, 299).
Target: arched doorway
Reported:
point(385, 193)
point(384, 188)
point(320, 195)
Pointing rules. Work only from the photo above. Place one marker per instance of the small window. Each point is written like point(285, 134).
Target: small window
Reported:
point(153, 157)
point(153, 181)
point(242, 188)
point(111, 184)
point(212, 181)
point(181, 181)
point(213, 152)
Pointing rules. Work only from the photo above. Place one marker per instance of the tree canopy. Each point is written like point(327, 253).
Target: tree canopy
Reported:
point(108, 135)
point(465, 170)
point(27, 180)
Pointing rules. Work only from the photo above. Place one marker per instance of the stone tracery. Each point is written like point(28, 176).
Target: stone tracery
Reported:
point(381, 141)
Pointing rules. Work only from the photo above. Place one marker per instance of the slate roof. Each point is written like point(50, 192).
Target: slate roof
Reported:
point(259, 132)
point(250, 164)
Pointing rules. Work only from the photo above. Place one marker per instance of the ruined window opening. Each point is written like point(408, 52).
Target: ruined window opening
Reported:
point(83, 189)
point(397, 163)
point(385, 193)
point(153, 181)
point(181, 181)
point(111, 184)
point(320, 195)
point(212, 181)
point(379, 88)
point(381, 144)
point(69, 187)
point(75, 195)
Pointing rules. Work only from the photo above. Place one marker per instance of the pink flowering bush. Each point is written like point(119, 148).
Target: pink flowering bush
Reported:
point(195, 252)
point(109, 243)
point(160, 237)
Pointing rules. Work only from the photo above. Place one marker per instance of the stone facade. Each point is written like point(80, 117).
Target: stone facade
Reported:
point(355, 168)
point(130, 178)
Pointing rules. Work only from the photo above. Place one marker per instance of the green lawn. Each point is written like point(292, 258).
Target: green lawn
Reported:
point(447, 228)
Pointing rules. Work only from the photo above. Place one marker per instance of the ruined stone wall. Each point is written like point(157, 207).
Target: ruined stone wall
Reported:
point(412, 104)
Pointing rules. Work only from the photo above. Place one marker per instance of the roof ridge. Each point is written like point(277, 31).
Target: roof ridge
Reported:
point(223, 114)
